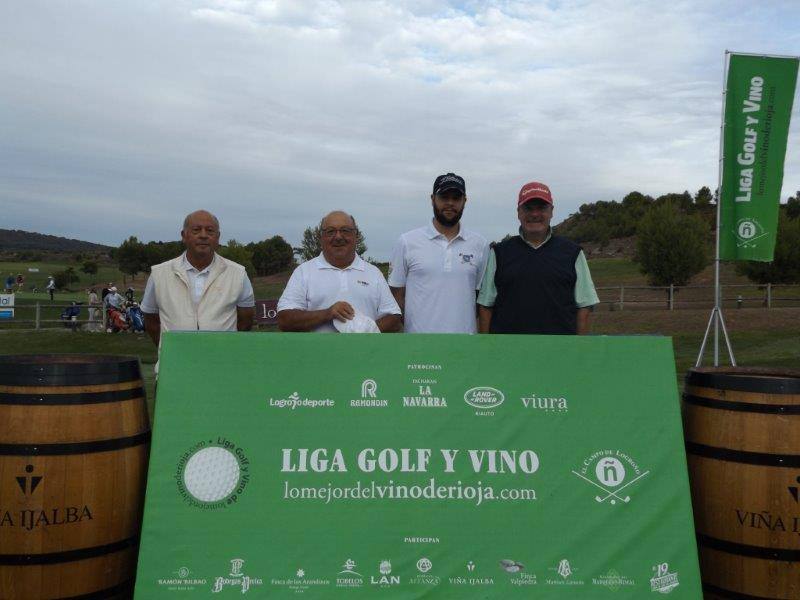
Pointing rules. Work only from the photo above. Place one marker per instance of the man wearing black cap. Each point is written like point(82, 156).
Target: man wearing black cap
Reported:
point(437, 269)
point(536, 282)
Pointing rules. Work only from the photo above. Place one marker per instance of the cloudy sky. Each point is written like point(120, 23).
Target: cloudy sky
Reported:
point(117, 118)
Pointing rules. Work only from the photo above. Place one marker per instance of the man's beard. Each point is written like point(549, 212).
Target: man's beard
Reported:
point(444, 220)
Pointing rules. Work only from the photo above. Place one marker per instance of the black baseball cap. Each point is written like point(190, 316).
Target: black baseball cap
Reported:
point(449, 181)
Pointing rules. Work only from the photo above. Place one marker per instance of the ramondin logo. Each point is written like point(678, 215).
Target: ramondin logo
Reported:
point(485, 398)
point(369, 388)
point(606, 471)
point(369, 396)
point(213, 474)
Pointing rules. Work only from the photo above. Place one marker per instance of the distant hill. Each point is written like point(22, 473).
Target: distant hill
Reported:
point(16, 239)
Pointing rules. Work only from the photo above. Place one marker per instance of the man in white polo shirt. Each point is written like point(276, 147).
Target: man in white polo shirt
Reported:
point(436, 270)
point(338, 285)
point(199, 290)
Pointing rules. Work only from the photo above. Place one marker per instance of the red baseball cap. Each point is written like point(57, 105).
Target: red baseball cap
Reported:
point(534, 191)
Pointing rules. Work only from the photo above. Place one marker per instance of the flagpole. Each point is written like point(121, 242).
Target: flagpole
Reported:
point(716, 312)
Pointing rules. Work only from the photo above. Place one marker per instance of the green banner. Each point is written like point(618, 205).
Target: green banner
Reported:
point(758, 107)
point(405, 466)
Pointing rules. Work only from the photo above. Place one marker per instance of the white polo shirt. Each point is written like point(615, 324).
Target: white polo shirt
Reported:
point(316, 285)
point(440, 277)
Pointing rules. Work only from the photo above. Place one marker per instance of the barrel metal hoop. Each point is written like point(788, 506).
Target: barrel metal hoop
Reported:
point(14, 370)
point(781, 554)
point(74, 447)
point(742, 456)
point(52, 558)
point(65, 399)
point(745, 382)
point(767, 409)
point(718, 591)
point(120, 588)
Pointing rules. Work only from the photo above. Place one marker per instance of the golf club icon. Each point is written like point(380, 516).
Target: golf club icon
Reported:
point(611, 493)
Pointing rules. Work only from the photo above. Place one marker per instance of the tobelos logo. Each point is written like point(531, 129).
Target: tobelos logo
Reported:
point(605, 470)
point(484, 397)
point(213, 475)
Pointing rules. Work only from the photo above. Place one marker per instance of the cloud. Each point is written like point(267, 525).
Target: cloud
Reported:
point(272, 113)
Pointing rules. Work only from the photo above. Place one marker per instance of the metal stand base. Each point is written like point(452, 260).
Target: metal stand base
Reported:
point(718, 321)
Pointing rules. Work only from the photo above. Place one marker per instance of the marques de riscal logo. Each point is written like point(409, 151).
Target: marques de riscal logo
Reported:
point(369, 396)
point(663, 581)
point(612, 472)
point(485, 399)
point(235, 578)
point(213, 474)
point(613, 581)
point(294, 401)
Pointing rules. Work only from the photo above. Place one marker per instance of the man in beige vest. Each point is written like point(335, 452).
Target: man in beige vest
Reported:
point(199, 290)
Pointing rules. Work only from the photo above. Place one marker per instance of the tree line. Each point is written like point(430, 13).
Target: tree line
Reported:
point(675, 235)
point(267, 257)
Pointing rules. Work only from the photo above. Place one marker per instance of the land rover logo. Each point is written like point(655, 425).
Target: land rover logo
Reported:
point(484, 397)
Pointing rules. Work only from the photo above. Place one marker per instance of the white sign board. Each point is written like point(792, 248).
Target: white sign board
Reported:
point(6, 306)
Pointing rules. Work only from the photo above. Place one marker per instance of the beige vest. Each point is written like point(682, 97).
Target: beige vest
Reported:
point(216, 310)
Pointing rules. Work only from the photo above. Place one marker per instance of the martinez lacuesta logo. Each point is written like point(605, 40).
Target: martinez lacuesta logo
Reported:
point(213, 474)
point(606, 471)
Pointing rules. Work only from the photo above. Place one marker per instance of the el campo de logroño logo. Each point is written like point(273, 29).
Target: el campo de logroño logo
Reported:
point(613, 473)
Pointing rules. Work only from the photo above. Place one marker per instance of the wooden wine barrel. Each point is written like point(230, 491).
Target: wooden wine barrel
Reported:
point(742, 429)
point(74, 441)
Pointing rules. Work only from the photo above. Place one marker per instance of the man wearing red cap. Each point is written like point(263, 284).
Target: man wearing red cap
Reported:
point(536, 282)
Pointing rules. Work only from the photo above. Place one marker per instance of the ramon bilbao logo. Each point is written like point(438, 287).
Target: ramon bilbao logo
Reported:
point(612, 473)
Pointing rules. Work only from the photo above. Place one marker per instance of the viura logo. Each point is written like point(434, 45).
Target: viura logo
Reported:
point(484, 399)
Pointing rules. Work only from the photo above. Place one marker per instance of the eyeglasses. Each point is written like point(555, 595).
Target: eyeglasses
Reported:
point(535, 207)
point(344, 231)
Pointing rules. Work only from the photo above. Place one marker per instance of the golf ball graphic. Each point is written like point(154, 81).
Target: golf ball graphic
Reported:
point(211, 474)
